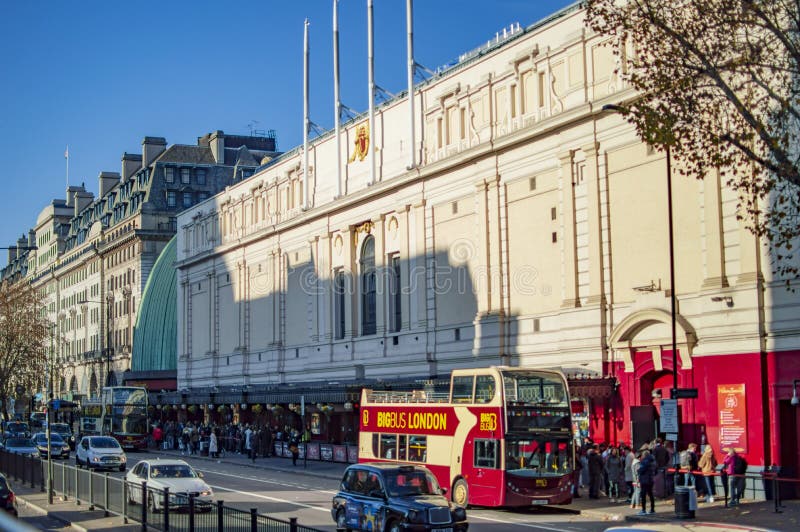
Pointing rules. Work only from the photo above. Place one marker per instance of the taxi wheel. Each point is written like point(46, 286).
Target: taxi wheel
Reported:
point(341, 521)
point(394, 526)
point(460, 493)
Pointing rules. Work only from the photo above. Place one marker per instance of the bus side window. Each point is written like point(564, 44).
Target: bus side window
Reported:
point(417, 448)
point(486, 454)
point(484, 388)
point(462, 389)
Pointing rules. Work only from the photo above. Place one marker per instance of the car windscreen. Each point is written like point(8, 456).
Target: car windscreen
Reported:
point(104, 443)
point(17, 427)
point(55, 438)
point(3, 484)
point(410, 483)
point(172, 471)
point(61, 428)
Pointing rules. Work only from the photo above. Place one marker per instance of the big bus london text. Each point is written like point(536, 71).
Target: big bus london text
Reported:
point(500, 436)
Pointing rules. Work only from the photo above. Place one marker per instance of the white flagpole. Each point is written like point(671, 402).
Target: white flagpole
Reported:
point(337, 102)
point(305, 116)
point(371, 60)
point(410, 27)
point(66, 156)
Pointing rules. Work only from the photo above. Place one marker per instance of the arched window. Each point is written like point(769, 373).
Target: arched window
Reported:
point(368, 286)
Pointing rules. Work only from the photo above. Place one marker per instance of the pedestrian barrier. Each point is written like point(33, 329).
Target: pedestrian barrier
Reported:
point(154, 509)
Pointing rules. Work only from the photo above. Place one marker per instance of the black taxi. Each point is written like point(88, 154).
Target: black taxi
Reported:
point(393, 498)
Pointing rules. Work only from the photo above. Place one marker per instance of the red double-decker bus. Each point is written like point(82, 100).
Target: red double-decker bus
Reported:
point(500, 436)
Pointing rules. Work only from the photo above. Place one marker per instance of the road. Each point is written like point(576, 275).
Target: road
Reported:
point(286, 494)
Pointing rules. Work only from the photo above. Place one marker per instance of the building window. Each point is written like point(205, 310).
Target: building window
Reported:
point(338, 304)
point(172, 198)
point(368, 287)
point(202, 196)
point(395, 301)
point(187, 199)
point(201, 176)
point(169, 174)
point(186, 174)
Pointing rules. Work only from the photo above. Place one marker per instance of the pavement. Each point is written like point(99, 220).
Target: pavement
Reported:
point(748, 513)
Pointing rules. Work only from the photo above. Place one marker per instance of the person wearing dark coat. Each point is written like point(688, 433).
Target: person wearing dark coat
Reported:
point(647, 475)
point(596, 470)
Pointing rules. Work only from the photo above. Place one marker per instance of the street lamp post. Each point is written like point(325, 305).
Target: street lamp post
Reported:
point(49, 402)
point(673, 393)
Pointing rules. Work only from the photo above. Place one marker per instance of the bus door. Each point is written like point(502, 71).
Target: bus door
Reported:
point(486, 482)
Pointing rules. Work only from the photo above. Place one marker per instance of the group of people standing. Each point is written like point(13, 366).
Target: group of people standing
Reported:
point(624, 474)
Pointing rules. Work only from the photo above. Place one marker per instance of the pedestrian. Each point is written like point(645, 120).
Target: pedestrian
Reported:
point(630, 457)
point(647, 475)
point(158, 434)
point(688, 465)
point(636, 493)
point(194, 440)
point(708, 464)
point(185, 441)
point(213, 445)
point(596, 468)
point(294, 448)
point(613, 469)
point(248, 442)
point(735, 466)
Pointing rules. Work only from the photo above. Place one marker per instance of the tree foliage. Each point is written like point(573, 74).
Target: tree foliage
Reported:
point(718, 83)
point(24, 337)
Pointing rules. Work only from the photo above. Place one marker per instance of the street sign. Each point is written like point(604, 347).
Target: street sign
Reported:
point(669, 415)
point(673, 436)
point(683, 393)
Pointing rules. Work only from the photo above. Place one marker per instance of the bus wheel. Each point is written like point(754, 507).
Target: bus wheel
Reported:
point(460, 493)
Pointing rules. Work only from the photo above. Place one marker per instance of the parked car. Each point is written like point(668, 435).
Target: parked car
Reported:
point(65, 431)
point(181, 479)
point(394, 497)
point(100, 452)
point(21, 446)
point(58, 447)
point(8, 501)
point(16, 429)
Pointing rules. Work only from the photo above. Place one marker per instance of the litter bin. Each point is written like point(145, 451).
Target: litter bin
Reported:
point(684, 509)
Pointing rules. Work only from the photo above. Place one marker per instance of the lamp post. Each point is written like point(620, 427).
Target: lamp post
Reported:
point(108, 349)
point(49, 399)
point(673, 393)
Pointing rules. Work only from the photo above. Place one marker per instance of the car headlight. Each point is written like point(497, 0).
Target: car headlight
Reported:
point(206, 493)
point(65, 447)
point(459, 514)
point(123, 459)
point(95, 458)
point(415, 516)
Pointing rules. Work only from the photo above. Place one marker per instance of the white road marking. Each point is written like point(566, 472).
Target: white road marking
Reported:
point(273, 499)
point(517, 523)
point(266, 481)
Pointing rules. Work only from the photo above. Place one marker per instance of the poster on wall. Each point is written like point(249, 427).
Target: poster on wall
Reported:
point(732, 417)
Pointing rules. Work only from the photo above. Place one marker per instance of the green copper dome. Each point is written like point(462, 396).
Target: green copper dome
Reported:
point(155, 336)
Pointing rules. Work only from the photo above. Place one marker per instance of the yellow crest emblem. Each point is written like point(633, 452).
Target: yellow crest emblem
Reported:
point(361, 144)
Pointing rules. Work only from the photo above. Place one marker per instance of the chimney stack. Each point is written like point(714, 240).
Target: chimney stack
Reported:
point(217, 144)
point(83, 199)
point(31, 238)
point(152, 147)
point(131, 162)
point(107, 180)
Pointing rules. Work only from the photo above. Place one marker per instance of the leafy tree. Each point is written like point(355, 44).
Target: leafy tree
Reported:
point(718, 84)
point(24, 339)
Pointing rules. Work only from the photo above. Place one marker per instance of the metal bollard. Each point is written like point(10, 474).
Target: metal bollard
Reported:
point(64, 482)
point(91, 490)
point(166, 509)
point(144, 506)
point(105, 495)
point(191, 512)
point(124, 501)
point(42, 463)
point(292, 524)
point(220, 516)
point(77, 488)
point(253, 520)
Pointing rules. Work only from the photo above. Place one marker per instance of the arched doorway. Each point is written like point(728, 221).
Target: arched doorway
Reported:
point(73, 385)
point(93, 385)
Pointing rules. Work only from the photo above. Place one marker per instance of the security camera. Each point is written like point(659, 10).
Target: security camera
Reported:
point(795, 400)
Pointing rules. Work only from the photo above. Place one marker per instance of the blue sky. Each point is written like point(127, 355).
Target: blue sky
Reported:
point(100, 75)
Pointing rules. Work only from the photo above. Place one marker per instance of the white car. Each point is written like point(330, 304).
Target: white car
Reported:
point(100, 452)
point(181, 479)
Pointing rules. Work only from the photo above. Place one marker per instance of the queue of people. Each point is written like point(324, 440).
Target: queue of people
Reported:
point(624, 474)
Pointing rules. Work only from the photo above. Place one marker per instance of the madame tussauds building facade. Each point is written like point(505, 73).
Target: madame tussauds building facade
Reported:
point(519, 225)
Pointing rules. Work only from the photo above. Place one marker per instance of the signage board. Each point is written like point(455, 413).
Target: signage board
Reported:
point(669, 415)
point(732, 417)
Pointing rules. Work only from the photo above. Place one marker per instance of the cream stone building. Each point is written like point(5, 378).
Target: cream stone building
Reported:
point(92, 256)
point(531, 232)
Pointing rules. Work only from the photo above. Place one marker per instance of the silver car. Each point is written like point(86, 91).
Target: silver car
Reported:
point(100, 452)
point(21, 446)
point(181, 479)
